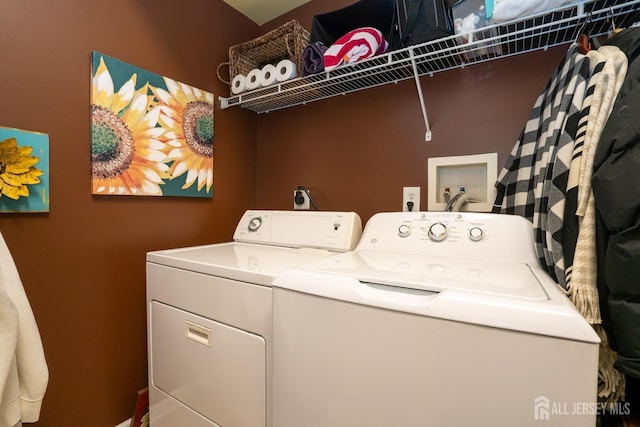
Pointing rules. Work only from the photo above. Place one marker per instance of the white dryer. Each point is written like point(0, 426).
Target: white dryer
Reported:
point(209, 316)
point(436, 319)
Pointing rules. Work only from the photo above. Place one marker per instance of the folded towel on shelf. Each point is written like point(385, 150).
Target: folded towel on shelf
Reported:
point(313, 58)
point(506, 10)
point(354, 46)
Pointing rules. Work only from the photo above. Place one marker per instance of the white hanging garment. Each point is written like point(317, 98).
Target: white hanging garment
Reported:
point(24, 374)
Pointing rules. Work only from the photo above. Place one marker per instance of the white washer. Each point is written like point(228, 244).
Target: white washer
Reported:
point(436, 319)
point(209, 316)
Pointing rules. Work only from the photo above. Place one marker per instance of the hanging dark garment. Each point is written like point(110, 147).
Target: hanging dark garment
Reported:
point(616, 175)
point(329, 27)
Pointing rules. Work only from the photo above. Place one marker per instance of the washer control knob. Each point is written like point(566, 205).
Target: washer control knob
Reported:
point(476, 234)
point(404, 230)
point(438, 232)
point(255, 223)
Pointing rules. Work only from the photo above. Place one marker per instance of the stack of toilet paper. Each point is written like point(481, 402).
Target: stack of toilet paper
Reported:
point(265, 76)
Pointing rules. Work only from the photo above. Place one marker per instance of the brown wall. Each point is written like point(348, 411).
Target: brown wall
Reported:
point(356, 152)
point(82, 265)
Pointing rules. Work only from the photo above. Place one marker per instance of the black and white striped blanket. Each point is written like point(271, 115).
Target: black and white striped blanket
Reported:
point(547, 179)
point(534, 179)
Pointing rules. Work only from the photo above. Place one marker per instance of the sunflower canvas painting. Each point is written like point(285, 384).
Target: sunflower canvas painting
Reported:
point(150, 135)
point(24, 171)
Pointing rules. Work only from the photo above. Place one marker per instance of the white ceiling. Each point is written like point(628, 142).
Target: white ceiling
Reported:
point(261, 11)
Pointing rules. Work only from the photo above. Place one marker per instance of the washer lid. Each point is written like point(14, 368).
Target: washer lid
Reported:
point(436, 274)
point(502, 294)
point(247, 262)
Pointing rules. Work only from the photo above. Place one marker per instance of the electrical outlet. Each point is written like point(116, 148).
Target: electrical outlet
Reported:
point(305, 205)
point(410, 199)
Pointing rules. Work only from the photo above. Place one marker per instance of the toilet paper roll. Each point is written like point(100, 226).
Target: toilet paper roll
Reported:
point(238, 84)
point(285, 70)
point(268, 75)
point(253, 79)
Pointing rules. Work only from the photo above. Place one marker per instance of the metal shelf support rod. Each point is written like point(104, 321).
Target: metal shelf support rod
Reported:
point(416, 75)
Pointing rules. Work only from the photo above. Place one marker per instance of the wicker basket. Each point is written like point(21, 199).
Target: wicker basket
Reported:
point(285, 42)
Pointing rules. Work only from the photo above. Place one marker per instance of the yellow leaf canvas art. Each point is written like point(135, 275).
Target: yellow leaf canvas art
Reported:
point(24, 171)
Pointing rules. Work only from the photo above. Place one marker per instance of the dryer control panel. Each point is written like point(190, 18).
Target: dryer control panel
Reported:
point(334, 231)
point(456, 234)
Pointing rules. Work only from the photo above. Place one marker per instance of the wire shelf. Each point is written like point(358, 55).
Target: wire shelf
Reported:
point(537, 32)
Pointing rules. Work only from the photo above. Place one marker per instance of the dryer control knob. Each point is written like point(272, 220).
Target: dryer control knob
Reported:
point(404, 230)
point(255, 223)
point(476, 234)
point(438, 232)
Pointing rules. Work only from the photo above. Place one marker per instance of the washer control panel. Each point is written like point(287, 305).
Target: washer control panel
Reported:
point(460, 234)
point(439, 231)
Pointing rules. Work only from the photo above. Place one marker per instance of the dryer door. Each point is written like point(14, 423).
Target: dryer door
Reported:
point(214, 369)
